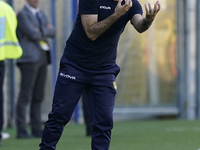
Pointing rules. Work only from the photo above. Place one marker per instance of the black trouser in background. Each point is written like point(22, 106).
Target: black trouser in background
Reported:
point(33, 77)
point(86, 114)
point(2, 72)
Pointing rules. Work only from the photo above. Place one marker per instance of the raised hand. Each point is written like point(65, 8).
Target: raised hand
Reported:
point(151, 12)
point(121, 9)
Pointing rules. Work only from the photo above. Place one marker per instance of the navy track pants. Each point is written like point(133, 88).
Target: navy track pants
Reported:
point(100, 89)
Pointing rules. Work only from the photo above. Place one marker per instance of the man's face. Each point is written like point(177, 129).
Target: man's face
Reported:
point(33, 3)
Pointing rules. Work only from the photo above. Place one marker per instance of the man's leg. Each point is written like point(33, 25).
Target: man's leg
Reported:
point(66, 96)
point(38, 97)
point(28, 75)
point(2, 72)
point(101, 96)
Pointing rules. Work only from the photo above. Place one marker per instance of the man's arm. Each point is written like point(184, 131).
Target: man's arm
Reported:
point(94, 29)
point(140, 23)
point(48, 30)
point(27, 27)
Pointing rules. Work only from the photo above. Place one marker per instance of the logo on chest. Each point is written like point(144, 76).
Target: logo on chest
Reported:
point(105, 7)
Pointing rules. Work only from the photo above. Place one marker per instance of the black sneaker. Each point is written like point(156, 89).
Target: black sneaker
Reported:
point(23, 134)
point(37, 134)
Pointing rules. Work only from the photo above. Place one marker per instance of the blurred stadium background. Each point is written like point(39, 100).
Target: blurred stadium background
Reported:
point(160, 69)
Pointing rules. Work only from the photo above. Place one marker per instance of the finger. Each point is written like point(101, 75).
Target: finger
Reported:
point(159, 6)
point(155, 8)
point(126, 1)
point(150, 9)
point(119, 2)
point(147, 11)
point(128, 4)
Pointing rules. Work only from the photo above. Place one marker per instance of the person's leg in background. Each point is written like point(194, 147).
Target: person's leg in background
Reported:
point(28, 75)
point(86, 114)
point(38, 97)
point(2, 72)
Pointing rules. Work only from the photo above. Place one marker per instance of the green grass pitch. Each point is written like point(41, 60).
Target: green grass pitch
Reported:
point(128, 135)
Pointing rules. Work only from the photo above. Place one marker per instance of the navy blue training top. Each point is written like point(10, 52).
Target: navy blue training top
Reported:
point(101, 53)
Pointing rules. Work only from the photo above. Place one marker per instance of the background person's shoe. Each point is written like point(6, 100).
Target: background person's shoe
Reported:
point(37, 134)
point(23, 134)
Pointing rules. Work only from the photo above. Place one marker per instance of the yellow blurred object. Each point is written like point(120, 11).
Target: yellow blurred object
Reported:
point(9, 45)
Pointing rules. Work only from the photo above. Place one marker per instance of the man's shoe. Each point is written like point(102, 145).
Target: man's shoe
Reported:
point(23, 134)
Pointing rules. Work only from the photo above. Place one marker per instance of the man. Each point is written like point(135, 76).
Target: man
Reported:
point(32, 31)
point(88, 63)
point(9, 47)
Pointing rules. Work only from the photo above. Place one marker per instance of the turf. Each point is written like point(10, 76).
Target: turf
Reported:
point(129, 135)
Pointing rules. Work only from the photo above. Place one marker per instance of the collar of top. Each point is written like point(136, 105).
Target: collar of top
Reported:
point(33, 10)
